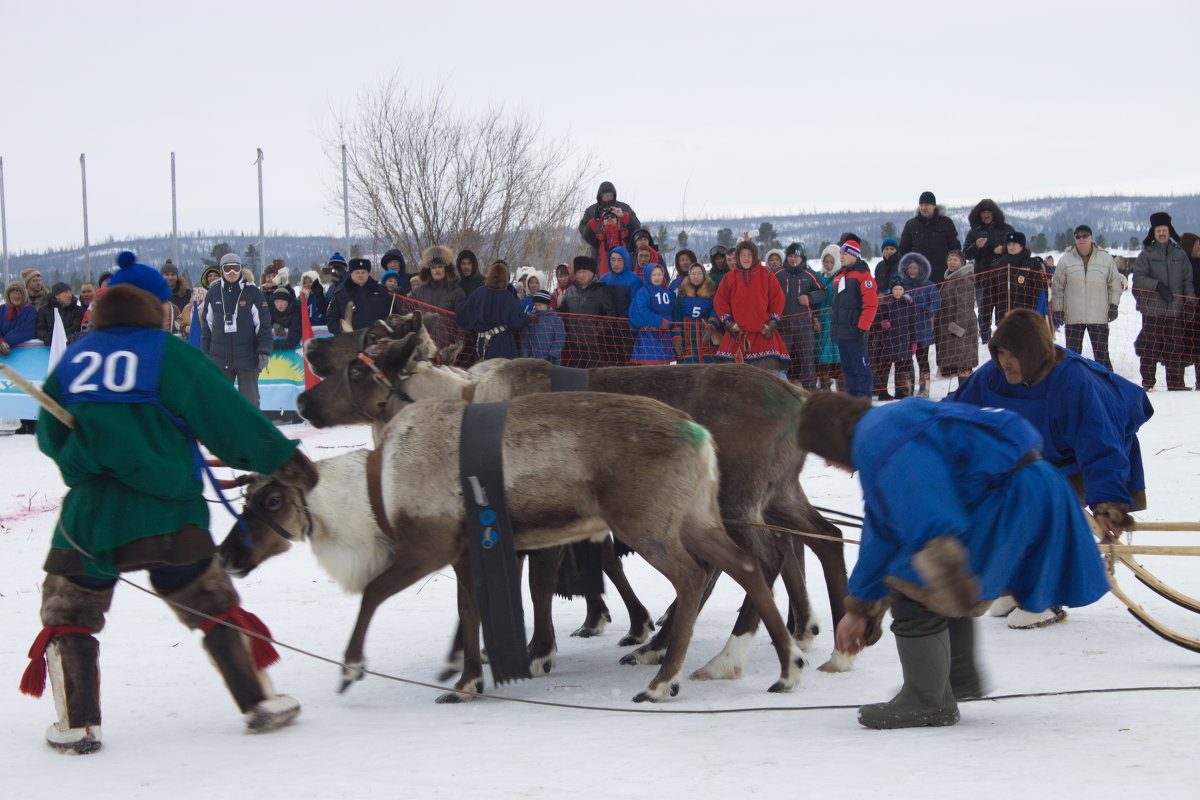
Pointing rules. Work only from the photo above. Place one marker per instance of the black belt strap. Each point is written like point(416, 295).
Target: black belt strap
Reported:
point(494, 566)
point(568, 379)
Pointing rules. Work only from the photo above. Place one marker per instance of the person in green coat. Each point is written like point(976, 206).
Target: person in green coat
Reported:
point(135, 501)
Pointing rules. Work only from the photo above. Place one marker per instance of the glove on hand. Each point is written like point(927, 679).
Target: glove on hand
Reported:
point(1115, 514)
point(1165, 293)
point(886, 324)
point(263, 358)
point(1112, 313)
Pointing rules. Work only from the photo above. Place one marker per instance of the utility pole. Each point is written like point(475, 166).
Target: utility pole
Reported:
point(87, 251)
point(174, 219)
point(4, 225)
point(262, 235)
point(345, 201)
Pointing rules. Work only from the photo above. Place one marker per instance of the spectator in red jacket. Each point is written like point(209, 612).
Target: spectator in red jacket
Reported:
point(748, 303)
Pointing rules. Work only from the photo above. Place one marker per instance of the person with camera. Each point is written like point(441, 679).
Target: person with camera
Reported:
point(606, 200)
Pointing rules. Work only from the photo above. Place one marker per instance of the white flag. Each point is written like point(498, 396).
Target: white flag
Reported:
point(58, 342)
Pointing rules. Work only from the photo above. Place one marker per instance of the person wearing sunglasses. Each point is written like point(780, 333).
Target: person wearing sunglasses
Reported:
point(237, 327)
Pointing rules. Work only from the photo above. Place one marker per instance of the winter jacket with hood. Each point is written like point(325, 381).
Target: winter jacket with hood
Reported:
point(926, 300)
point(694, 317)
point(895, 325)
point(956, 332)
point(1083, 289)
point(751, 298)
point(621, 284)
point(1088, 417)
point(401, 269)
point(930, 470)
point(18, 324)
point(1162, 265)
point(650, 313)
point(595, 209)
point(72, 318)
point(827, 352)
point(933, 237)
point(994, 233)
point(885, 270)
point(468, 283)
point(445, 294)
point(316, 300)
point(246, 309)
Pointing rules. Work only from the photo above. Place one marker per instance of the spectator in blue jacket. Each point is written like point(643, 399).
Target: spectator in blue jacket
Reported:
point(545, 335)
point(494, 314)
point(18, 319)
point(650, 314)
point(960, 509)
point(313, 295)
point(913, 272)
point(620, 279)
point(1088, 418)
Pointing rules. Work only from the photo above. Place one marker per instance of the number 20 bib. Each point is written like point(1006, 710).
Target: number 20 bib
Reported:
point(115, 365)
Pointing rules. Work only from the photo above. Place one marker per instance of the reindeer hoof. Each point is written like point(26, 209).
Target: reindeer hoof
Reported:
point(351, 673)
point(630, 660)
point(587, 633)
point(472, 693)
point(805, 640)
point(838, 662)
point(778, 687)
point(541, 665)
point(658, 693)
point(642, 656)
point(636, 636)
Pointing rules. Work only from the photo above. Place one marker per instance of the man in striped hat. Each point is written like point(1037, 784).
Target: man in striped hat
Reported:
point(855, 301)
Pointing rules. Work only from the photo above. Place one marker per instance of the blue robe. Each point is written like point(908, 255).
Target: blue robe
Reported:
point(651, 308)
point(935, 469)
point(487, 309)
point(1088, 418)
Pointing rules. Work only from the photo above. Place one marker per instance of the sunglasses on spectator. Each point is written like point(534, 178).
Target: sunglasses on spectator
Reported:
point(231, 269)
point(1083, 236)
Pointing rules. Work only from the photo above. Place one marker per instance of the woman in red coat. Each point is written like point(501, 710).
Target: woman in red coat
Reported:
point(749, 301)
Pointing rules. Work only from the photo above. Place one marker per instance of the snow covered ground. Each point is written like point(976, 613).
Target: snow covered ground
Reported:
point(171, 729)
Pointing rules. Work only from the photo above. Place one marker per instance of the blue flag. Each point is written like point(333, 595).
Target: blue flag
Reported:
point(194, 331)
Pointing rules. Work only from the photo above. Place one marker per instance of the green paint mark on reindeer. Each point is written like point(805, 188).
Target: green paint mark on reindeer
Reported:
point(691, 434)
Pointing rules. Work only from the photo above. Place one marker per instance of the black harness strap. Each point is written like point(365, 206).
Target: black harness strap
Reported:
point(494, 566)
point(568, 379)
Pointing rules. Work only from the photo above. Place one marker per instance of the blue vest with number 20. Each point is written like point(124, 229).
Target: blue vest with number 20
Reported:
point(114, 365)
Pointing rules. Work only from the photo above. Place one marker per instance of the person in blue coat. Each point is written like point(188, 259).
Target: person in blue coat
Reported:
point(493, 312)
point(1088, 418)
point(913, 272)
point(650, 314)
point(960, 509)
point(18, 317)
point(545, 335)
point(695, 319)
point(622, 283)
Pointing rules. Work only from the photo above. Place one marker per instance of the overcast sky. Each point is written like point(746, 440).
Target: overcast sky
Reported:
point(693, 108)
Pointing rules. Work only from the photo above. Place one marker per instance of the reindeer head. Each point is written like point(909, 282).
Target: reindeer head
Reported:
point(359, 393)
point(327, 356)
point(276, 513)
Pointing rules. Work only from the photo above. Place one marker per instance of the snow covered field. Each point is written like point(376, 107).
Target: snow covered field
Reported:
point(171, 729)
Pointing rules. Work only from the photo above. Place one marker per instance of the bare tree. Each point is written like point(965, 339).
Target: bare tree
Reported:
point(423, 174)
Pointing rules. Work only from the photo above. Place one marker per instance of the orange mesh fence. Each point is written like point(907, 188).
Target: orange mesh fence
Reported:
point(930, 335)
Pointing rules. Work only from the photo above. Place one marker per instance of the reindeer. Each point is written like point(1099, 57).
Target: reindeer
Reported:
point(328, 355)
point(751, 415)
point(643, 470)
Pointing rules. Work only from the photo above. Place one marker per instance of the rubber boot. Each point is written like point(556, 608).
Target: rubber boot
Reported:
point(965, 680)
point(926, 698)
point(73, 667)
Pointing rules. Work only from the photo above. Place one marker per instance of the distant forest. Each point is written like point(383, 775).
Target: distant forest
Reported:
point(1119, 222)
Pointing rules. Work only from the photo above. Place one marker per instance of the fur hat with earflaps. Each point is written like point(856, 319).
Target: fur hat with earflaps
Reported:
point(1156, 219)
point(1025, 333)
point(437, 256)
point(827, 423)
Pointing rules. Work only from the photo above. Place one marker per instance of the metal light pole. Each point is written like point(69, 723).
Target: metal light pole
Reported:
point(87, 252)
point(262, 236)
point(174, 219)
point(345, 201)
point(4, 225)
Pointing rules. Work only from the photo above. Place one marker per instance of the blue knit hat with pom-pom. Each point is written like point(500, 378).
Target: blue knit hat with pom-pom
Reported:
point(139, 275)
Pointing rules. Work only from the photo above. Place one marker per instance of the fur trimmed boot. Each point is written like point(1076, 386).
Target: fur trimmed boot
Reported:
point(1002, 606)
point(926, 698)
point(241, 659)
point(1023, 620)
point(965, 680)
point(73, 667)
